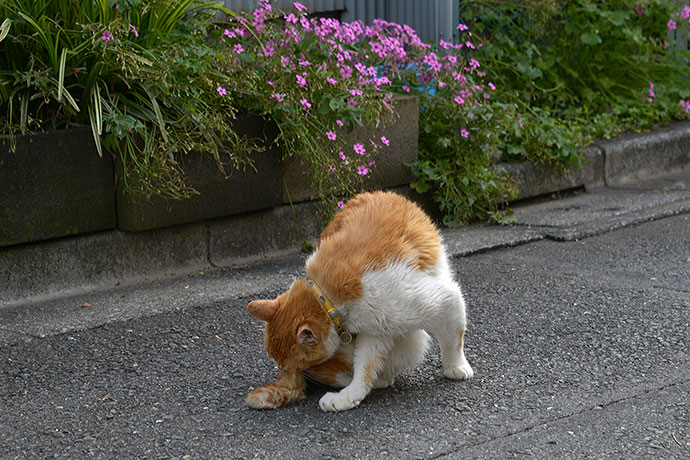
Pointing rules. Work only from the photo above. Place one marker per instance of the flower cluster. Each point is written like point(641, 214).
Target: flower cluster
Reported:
point(672, 25)
point(315, 80)
point(319, 78)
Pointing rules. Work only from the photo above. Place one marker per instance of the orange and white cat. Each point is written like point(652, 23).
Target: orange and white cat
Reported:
point(381, 265)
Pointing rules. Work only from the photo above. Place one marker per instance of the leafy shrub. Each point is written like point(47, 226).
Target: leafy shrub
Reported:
point(137, 72)
point(309, 76)
point(317, 78)
point(592, 65)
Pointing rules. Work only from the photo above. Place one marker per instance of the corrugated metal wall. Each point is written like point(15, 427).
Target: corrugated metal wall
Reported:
point(432, 19)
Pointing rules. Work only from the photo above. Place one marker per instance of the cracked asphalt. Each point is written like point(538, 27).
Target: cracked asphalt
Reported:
point(579, 346)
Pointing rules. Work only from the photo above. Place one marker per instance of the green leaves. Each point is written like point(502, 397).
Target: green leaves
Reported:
point(5, 28)
point(590, 38)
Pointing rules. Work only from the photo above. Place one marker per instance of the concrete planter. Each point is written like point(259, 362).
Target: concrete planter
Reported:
point(54, 185)
point(245, 190)
point(390, 170)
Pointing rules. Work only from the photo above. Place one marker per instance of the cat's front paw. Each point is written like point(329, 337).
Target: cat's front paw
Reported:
point(262, 399)
point(272, 396)
point(462, 372)
point(335, 402)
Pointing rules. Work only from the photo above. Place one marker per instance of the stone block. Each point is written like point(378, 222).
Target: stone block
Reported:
point(260, 233)
point(638, 156)
point(245, 190)
point(54, 184)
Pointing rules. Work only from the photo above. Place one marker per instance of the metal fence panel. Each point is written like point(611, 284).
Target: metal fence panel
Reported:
point(432, 19)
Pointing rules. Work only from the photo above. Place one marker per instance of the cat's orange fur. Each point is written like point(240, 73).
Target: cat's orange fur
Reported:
point(373, 231)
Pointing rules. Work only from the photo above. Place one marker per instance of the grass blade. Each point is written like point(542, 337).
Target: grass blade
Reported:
point(71, 101)
point(5, 28)
point(61, 74)
point(94, 131)
point(98, 113)
point(24, 113)
point(157, 112)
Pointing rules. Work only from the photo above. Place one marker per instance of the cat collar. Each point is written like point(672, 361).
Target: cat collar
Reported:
point(345, 336)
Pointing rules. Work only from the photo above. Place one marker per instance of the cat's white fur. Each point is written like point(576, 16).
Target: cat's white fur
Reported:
point(399, 303)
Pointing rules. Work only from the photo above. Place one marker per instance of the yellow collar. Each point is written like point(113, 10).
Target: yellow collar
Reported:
point(345, 336)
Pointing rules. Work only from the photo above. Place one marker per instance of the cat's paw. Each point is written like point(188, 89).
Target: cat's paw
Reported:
point(272, 396)
point(335, 402)
point(383, 382)
point(461, 372)
point(262, 399)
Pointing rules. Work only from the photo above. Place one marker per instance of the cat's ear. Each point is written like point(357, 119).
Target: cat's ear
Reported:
point(263, 309)
point(306, 336)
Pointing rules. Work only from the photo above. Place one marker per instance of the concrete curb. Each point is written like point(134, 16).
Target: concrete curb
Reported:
point(65, 266)
point(638, 156)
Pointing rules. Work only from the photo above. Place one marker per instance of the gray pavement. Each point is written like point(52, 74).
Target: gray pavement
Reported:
point(578, 335)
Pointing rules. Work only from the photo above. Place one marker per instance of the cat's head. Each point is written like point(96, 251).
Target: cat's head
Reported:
point(298, 329)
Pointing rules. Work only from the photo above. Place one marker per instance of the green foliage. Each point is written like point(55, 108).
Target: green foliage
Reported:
point(139, 72)
point(583, 66)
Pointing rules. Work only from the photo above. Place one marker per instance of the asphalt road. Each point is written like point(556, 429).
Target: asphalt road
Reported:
point(580, 350)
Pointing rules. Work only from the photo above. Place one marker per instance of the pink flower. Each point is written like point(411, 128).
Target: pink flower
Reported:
point(301, 81)
point(305, 103)
point(685, 105)
point(639, 10)
point(291, 18)
point(339, 123)
point(134, 29)
point(341, 204)
point(304, 62)
point(464, 132)
point(359, 148)
point(362, 170)
point(222, 91)
point(492, 86)
point(270, 83)
point(299, 6)
point(238, 48)
point(331, 80)
point(107, 36)
point(441, 85)
point(356, 92)
point(331, 135)
point(346, 71)
point(278, 96)
point(406, 88)
point(459, 100)
point(385, 141)
point(462, 27)
point(229, 34)
point(652, 94)
point(474, 64)
point(372, 163)
point(685, 14)
point(671, 24)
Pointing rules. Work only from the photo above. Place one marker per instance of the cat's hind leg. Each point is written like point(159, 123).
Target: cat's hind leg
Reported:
point(371, 353)
point(408, 351)
point(449, 329)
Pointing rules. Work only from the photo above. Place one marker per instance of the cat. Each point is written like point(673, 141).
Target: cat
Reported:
point(377, 281)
